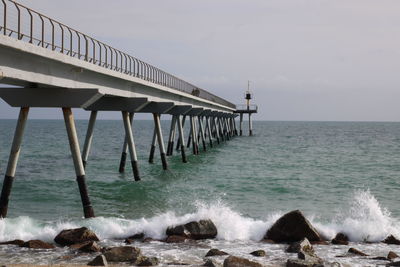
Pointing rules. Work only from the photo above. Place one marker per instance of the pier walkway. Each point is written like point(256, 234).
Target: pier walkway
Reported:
point(49, 64)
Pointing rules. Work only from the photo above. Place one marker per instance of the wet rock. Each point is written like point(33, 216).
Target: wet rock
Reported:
point(380, 258)
point(303, 245)
point(212, 263)
point(202, 229)
point(17, 242)
point(37, 244)
point(268, 241)
point(147, 261)
point(322, 243)
point(292, 227)
point(73, 236)
point(303, 263)
point(215, 252)
point(176, 239)
point(133, 238)
point(396, 263)
point(89, 246)
point(391, 240)
point(340, 239)
point(392, 255)
point(233, 261)
point(356, 252)
point(98, 261)
point(122, 254)
point(259, 253)
point(149, 239)
point(178, 263)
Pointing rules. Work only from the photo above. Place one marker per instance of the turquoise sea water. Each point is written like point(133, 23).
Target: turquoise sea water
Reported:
point(345, 176)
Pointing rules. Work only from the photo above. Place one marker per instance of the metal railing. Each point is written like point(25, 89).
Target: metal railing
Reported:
point(27, 25)
point(245, 107)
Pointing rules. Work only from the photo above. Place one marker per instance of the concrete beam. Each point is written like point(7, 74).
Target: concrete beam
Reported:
point(113, 103)
point(179, 110)
point(194, 112)
point(49, 97)
point(156, 107)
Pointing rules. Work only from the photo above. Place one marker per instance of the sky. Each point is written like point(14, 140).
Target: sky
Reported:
point(314, 60)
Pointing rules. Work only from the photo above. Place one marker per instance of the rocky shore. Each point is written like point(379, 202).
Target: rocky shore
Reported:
point(293, 231)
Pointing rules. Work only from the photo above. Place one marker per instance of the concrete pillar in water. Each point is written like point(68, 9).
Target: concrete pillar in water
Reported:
point(77, 159)
point(209, 131)
point(241, 125)
point(89, 137)
point(203, 138)
point(157, 124)
point(178, 144)
point(234, 126)
point(171, 137)
point(153, 146)
point(131, 144)
point(216, 126)
point(250, 126)
point(181, 138)
point(12, 161)
point(125, 149)
point(193, 134)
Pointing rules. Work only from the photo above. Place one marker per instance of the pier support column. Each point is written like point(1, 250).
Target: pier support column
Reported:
point(234, 126)
point(208, 126)
point(181, 140)
point(193, 135)
point(216, 129)
point(179, 144)
point(76, 156)
point(124, 153)
point(153, 146)
point(12, 161)
point(250, 126)
point(127, 118)
point(241, 125)
point(202, 135)
point(171, 138)
point(89, 137)
point(157, 124)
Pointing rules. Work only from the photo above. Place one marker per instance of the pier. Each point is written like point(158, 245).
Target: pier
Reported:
point(49, 64)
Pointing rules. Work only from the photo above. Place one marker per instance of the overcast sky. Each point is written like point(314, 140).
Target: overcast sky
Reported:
point(307, 59)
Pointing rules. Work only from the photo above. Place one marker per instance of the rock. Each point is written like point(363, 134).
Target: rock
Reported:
point(303, 263)
point(37, 244)
point(380, 258)
point(147, 261)
point(396, 263)
point(303, 245)
point(292, 227)
point(233, 261)
point(203, 229)
point(340, 239)
point(73, 236)
point(391, 240)
point(215, 252)
point(98, 261)
point(88, 246)
point(212, 263)
point(259, 253)
point(268, 241)
point(122, 254)
point(133, 238)
point(17, 242)
point(322, 243)
point(176, 239)
point(392, 255)
point(149, 239)
point(356, 252)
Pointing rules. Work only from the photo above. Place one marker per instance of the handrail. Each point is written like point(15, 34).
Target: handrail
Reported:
point(109, 57)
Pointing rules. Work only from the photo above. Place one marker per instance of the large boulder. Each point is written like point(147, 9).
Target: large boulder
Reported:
point(123, 254)
point(88, 246)
point(233, 261)
point(37, 244)
point(292, 227)
point(391, 240)
point(340, 239)
point(202, 229)
point(147, 261)
point(73, 236)
point(98, 261)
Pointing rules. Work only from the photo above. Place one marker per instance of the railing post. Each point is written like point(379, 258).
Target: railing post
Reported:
point(5, 18)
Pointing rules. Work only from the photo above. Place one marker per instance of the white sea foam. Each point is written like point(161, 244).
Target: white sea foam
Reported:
point(362, 220)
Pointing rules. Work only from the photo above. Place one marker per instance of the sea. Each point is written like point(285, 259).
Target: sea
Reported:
point(344, 177)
